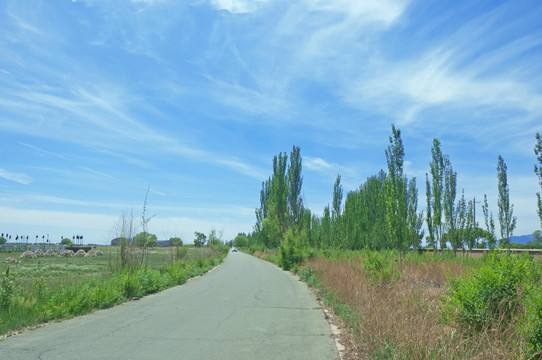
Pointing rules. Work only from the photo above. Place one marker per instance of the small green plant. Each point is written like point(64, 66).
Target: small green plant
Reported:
point(7, 290)
point(380, 268)
point(309, 276)
point(530, 326)
point(129, 284)
point(180, 253)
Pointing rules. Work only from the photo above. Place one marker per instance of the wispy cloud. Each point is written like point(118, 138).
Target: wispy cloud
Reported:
point(238, 6)
point(318, 164)
point(16, 177)
point(98, 173)
point(243, 168)
point(458, 75)
point(43, 152)
point(30, 200)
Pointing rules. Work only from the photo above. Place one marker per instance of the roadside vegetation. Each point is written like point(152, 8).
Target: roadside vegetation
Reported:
point(362, 256)
point(41, 287)
point(39, 290)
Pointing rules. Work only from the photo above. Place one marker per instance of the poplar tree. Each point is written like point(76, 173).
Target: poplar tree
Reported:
point(470, 226)
point(429, 217)
point(279, 192)
point(261, 212)
point(538, 172)
point(437, 178)
point(337, 197)
point(326, 229)
point(295, 182)
point(336, 214)
point(450, 185)
point(490, 224)
point(461, 212)
point(415, 220)
point(396, 193)
point(507, 220)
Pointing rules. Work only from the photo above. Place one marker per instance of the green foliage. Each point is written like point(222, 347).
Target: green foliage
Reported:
point(240, 241)
point(531, 323)
point(271, 233)
point(3, 240)
point(145, 239)
point(200, 239)
point(180, 252)
point(450, 214)
point(178, 271)
point(337, 197)
point(66, 242)
point(431, 240)
point(538, 172)
point(380, 267)
point(214, 239)
point(7, 290)
point(281, 205)
point(492, 292)
point(396, 194)
point(43, 299)
point(295, 182)
point(175, 241)
point(507, 220)
point(490, 225)
point(387, 351)
point(290, 254)
point(437, 180)
point(308, 275)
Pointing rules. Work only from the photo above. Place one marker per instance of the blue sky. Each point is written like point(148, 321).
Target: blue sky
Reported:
point(100, 99)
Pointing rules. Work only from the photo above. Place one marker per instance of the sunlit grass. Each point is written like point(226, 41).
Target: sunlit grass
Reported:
point(37, 290)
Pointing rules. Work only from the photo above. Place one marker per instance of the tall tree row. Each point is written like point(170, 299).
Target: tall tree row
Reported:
point(383, 212)
point(281, 206)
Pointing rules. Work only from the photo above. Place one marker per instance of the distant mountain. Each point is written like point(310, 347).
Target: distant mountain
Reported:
point(522, 239)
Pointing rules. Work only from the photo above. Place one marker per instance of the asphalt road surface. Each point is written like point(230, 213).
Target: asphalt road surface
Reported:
point(244, 309)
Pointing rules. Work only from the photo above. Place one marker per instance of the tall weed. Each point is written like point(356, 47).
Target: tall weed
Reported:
point(492, 292)
point(380, 268)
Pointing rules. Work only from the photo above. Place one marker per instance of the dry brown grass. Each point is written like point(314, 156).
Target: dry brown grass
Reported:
point(403, 319)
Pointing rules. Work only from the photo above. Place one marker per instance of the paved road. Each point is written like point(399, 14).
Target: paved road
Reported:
point(244, 309)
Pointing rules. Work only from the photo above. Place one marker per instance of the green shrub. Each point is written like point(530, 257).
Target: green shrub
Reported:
point(309, 276)
point(492, 292)
point(531, 323)
point(8, 287)
point(180, 253)
point(129, 284)
point(290, 253)
point(41, 301)
point(379, 267)
point(177, 271)
point(149, 281)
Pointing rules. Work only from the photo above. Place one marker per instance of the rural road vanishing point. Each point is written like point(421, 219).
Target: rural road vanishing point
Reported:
point(245, 309)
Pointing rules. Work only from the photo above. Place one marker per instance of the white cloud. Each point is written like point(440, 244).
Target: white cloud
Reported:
point(239, 6)
point(317, 164)
point(16, 177)
point(384, 11)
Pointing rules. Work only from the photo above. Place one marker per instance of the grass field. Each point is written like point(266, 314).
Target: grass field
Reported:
point(37, 290)
point(58, 267)
point(475, 308)
point(62, 271)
